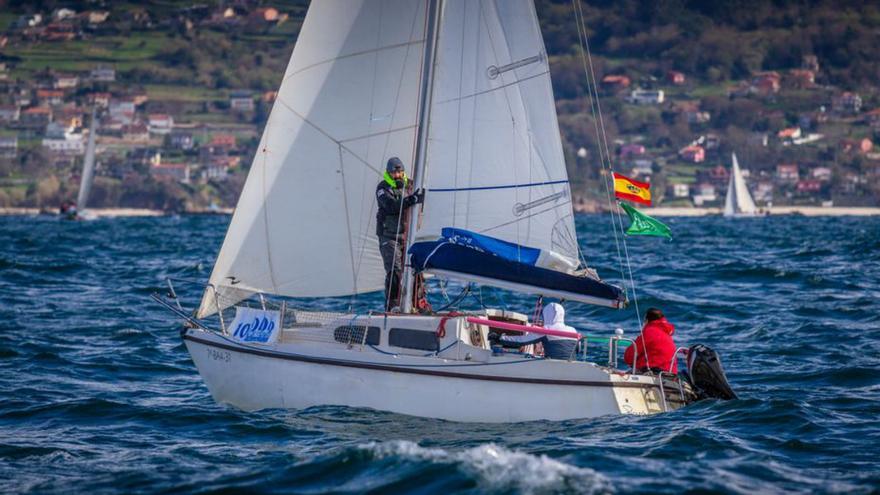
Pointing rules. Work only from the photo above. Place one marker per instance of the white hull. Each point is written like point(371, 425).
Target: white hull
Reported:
point(483, 388)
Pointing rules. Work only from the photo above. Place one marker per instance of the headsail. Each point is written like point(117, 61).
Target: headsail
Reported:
point(494, 157)
point(738, 200)
point(88, 173)
point(304, 225)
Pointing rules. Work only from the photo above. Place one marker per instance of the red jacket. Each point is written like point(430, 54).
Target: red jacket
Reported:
point(660, 347)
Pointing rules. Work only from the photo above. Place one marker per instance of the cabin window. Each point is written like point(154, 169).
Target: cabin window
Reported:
point(354, 334)
point(413, 339)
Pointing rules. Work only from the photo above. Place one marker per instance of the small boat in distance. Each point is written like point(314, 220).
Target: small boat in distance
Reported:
point(739, 202)
point(77, 211)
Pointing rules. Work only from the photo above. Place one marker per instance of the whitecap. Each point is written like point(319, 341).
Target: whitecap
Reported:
point(498, 468)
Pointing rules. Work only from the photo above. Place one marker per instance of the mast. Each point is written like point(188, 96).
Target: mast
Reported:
point(431, 34)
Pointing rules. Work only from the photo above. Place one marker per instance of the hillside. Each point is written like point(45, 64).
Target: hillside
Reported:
point(186, 89)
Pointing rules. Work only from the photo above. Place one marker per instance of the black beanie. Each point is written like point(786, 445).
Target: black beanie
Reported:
point(394, 164)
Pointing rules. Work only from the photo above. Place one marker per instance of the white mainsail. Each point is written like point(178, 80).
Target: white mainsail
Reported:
point(88, 174)
point(738, 200)
point(494, 157)
point(305, 222)
point(304, 225)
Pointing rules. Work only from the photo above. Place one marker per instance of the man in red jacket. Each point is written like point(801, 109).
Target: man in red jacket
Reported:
point(654, 349)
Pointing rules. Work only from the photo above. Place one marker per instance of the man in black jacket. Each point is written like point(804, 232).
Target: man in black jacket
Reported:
point(392, 202)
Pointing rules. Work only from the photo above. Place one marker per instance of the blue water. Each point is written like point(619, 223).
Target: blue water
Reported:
point(98, 394)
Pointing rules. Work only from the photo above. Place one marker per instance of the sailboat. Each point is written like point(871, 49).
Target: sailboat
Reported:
point(78, 210)
point(461, 90)
point(738, 202)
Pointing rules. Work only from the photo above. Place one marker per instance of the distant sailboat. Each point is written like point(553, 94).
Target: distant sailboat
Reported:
point(77, 211)
point(739, 202)
point(88, 174)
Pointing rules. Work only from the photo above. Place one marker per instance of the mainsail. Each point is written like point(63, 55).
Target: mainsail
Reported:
point(738, 200)
point(88, 173)
point(304, 225)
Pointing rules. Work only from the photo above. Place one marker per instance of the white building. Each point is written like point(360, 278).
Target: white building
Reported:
point(680, 190)
point(161, 123)
point(646, 96)
point(71, 144)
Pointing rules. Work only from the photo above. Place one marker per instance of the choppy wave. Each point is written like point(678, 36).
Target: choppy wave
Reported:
point(97, 393)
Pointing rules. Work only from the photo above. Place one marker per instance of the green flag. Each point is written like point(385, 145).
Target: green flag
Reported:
point(641, 224)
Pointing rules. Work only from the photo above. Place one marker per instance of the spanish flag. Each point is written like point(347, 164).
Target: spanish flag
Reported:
point(631, 190)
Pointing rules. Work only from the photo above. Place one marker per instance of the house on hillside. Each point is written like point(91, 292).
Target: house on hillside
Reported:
point(787, 173)
point(789, 134)
point(179, 172)
point(35, 118)
point(801, 78)
point(809, 186)
point(8, 146)
point(646, 96)
point(763, 192)
point(222, 142)
point(241, 101)
point(95, 17)
point(122, 110)
point(615, 82)
point(765, 83)
point(675, 77)
point(160, 123)
point(66, 144)
point(99, 99)
point(48, 97)
point(821, 173)
point(860, 146)
point(136, 132)
point(847, 102)
point(65, 81)
point(181, 140)
point(680, 190)
point(693, 154)
point(103, 74)
point(9, 113)
point(704, 193)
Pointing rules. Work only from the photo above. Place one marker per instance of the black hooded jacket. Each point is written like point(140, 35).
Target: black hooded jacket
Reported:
point(391, 203)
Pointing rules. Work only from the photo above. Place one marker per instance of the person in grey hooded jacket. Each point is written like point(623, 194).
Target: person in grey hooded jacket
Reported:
point(555, 347)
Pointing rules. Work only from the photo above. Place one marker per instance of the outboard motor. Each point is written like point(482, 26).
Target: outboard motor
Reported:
point(707, 375)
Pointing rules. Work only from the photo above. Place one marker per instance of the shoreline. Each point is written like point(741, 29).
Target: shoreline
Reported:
point(110, 212)
point(808, 211)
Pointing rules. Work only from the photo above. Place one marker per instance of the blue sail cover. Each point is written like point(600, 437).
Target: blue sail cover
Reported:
point(478, 258)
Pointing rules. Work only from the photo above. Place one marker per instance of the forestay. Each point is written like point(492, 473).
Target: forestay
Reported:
point(494, 157)
point(304, 225)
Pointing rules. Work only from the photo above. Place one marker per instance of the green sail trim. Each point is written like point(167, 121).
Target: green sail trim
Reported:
point(641, 224)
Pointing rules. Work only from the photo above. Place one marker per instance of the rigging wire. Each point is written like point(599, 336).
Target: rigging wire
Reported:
point(602, 140)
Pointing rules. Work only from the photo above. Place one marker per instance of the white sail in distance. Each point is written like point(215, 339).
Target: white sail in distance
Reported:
point(495, 163)
point(738, 200)
point(304, 225)
point(88, 173)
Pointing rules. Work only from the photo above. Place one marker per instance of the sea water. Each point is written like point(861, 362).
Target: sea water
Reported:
point(98, 393)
